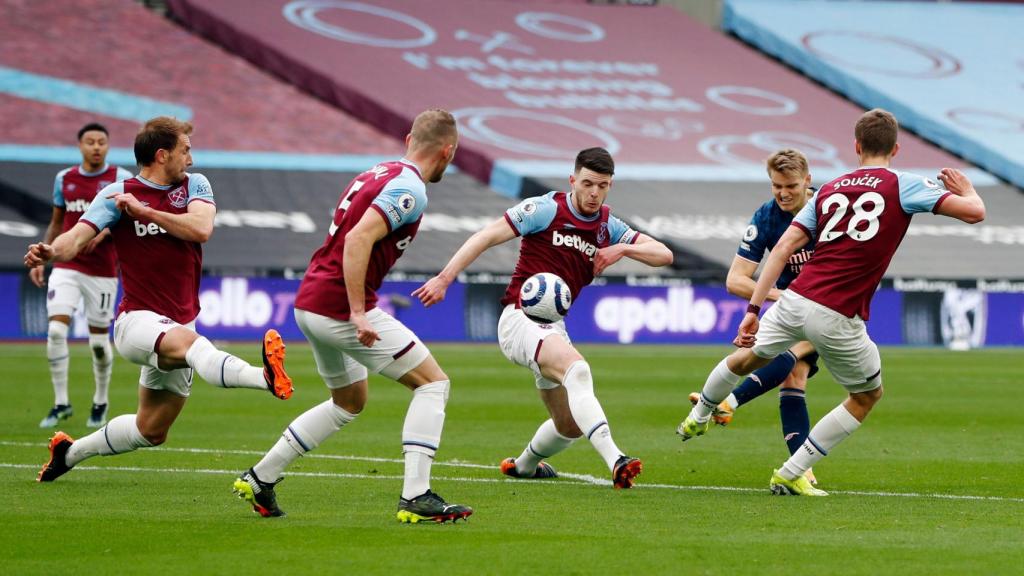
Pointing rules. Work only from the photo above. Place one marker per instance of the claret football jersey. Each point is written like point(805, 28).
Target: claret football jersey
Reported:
point(74, 190)
point(560, 240)
point(396, 191)
point(857, 222)
point(159, 272)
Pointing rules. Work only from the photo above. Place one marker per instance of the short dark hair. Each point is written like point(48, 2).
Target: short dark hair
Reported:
point(876, 131)
point(90, 127)
point(595, 159)
point(160, 133)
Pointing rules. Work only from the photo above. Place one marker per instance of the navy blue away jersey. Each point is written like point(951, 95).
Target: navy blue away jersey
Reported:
point(766, 227)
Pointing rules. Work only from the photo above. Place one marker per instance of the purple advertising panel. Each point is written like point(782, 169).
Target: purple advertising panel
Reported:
point(1005, 326)
point(10, 311)
point(242, 309)
point(533, 83)
point(688, 315)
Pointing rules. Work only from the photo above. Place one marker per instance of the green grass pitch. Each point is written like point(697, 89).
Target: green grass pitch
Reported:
point(931, 484)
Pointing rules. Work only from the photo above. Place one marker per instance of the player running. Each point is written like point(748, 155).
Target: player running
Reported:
point(574, 235)
point(858, 221)
point(91, 277)
point(791, 188)
point(376, 220)
point(158, 222)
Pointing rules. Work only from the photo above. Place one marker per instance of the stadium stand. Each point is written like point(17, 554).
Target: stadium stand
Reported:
point(532, 86)
point(117, 61)
point(955, 90)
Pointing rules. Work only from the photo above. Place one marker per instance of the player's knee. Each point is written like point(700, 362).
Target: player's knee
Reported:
point(351, 398)
point(744, 361)
point(869, 398)
point(56, 333)
point(155, 437)
point(578, 378)
point(877, 393)
point(100, 346)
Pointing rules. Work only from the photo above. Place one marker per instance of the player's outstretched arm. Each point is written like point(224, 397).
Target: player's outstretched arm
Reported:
point(64, 248)
point(645, 249)
point(196, 225)
point(433, 290)
point(965, 204)
point(793, 239)
point(740, 280)
point(52, 230)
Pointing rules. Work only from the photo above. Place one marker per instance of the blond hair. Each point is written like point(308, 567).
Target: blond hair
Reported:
point(433, 128)
point(788, 161)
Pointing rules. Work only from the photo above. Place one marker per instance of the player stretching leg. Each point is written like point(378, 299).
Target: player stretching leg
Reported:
point(574, 236)
point(858, 221)
point(91, 277)
point(376, 220)
point(158, 222)
point(790, 179)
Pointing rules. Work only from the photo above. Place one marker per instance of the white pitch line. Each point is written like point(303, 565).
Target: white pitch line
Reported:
point(569, 479)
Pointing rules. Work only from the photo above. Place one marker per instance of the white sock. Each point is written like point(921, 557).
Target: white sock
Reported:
point(546, 443)
point(305, 433)
point(120, 435)
point(829, 431)
point(222, 369)
point(587, 411)
point(732, 401)
point(57, 354)
point(719, 384)
point(102, 365)
point(421, 435)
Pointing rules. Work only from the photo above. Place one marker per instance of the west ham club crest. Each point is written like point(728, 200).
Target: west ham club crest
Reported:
point(178, 197)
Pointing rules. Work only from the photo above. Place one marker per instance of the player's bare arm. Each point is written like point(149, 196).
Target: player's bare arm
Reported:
point(645, 249)
point(740, 280)
point(792, 240)
point(64, 248)
point(358, 243)
point(52, 230)
point(196, 225)
point(433, 290)
point(965, 204)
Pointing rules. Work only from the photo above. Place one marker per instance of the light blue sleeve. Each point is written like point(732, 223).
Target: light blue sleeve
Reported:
point(58, 189)
point(122, 174)
point(401, 204)
point(102, 212)
point(533, 214)
point(199, 189)
point(919, 194)
point(619, 232)
point(808, 216)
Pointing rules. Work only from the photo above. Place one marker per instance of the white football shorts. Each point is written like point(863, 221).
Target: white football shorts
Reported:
point(66, 287)
point(136, 337)
point(843, 343)
point(342, 360)
point(520, 340)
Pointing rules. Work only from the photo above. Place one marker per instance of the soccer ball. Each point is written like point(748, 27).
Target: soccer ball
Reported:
point(545, 298)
